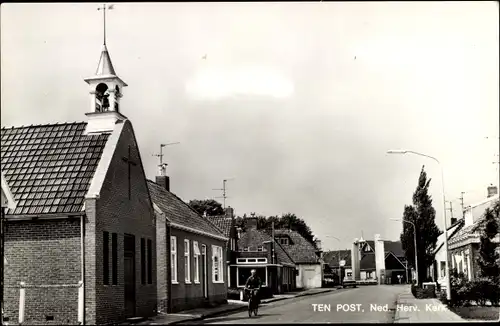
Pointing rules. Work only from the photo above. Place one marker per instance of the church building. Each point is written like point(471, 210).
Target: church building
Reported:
point(80, 244)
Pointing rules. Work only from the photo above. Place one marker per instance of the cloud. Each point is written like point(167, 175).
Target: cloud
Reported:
point(222, 82)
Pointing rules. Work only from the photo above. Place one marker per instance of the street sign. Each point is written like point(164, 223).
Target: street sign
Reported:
point(342, 263)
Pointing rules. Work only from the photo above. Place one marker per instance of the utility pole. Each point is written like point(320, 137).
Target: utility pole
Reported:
point(451, 209)
point(223, 191)
point(272, 234)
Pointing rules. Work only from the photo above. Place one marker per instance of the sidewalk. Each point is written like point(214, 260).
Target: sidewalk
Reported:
point(412, 310)
point(231, 306)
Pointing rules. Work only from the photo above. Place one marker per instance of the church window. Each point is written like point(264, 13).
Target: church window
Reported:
point(143, 261)
point(150, 262)
point(114, 258)
point(105, 255)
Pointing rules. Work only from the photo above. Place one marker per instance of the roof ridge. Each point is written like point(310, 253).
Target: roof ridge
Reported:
point(45, 125)
point(187, 205)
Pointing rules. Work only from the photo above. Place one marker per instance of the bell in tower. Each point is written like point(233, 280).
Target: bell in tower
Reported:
point(105, 90)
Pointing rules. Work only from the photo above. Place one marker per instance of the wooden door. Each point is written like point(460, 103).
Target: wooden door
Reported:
point(129, 275)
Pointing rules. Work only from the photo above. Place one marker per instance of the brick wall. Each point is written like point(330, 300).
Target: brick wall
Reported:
point(114, 212)
point(41, 253)
point(188, 296)
point(162, 263)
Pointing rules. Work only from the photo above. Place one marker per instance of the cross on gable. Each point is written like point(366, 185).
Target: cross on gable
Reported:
point(129, 162)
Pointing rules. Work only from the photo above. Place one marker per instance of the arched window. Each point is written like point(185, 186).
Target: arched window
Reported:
point(101, 98)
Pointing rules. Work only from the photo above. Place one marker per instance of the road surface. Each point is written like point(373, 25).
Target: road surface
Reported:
point(369, 304)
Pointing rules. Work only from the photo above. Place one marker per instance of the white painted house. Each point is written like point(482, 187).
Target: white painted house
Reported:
point(438, 268)
point(464, 244)
point(306, 257)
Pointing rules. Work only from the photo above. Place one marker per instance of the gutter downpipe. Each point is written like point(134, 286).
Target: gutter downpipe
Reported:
point(81, 289)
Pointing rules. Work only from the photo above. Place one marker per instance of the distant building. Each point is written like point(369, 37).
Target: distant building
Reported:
point(190, 254)
point(464, 245)
point(305, 257)
point(227, 224)
point(391, 261)
point(438, 268)
point(331, 264)
point(258, 250)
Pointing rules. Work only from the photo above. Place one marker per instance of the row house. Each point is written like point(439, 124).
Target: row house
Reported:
point(191, 253)
point(464, 245)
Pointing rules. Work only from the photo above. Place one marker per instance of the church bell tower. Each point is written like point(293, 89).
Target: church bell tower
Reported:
point(105, 89)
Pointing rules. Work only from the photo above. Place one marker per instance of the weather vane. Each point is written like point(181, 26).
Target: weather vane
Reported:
point(103, 8)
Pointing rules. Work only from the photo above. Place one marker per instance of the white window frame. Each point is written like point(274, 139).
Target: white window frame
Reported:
point(173, 258)
point(217, 252)
point(260, 248)
point(284, 241)
point(187, 262)
point(196, 256)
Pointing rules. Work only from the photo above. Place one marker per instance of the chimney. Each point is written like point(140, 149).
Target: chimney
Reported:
point(163, 180)
point(318, 244)
point(492, 191)
point(229, 212)
point(251, 223)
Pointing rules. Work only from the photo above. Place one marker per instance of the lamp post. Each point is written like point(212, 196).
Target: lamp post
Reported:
point(447, 265)
point(414, 244)
point(340, 271)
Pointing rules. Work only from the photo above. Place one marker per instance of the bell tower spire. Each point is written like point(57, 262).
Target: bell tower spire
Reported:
point(105, 89)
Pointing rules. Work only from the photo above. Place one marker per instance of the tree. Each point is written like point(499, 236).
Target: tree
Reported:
point(488, 255)
point(209, 207)
point(423, 215)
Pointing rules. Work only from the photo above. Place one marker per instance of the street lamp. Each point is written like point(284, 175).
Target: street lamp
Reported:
point(415, 244)
point(340, 271)
point(447, 265)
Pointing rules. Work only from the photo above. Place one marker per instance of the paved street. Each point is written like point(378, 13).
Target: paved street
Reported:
point(349, 305)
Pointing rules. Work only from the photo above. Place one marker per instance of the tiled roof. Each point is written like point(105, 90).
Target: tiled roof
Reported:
point(223, 223)
point(301, 250)
point(475, 228)
point(452, 230)
point(389, 246)
point(395, 247)
point(49, 167)
point(179, 212)
point(367, 261)
point(253, 238)
point(332, 257)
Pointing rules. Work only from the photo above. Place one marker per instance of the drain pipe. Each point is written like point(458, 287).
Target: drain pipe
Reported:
point(81, 289)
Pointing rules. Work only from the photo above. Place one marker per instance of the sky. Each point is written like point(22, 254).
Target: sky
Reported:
point(295, 103)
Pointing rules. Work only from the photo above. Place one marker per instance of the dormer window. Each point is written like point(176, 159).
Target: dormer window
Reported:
point(284, 241)
point(260, 248)
point(246, 249)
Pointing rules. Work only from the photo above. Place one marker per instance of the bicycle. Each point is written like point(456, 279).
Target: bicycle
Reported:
point(253, 302)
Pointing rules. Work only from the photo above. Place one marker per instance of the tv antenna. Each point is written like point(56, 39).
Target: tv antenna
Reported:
point(224, 191)
point(161, 151)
